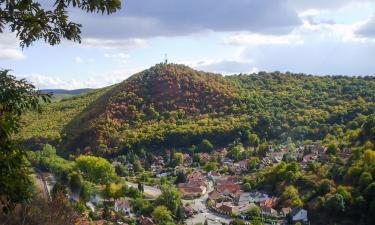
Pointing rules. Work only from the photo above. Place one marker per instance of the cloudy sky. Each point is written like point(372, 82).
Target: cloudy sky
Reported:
point(322, 37)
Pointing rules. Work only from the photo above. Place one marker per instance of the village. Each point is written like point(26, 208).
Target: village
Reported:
point(210, 194)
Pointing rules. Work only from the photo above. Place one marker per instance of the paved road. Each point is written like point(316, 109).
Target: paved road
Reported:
point(204, 213)
point(149, 190)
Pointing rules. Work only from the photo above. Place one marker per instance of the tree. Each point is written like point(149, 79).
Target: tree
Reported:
point(365, 179)
point(369, 157)
point(87, 191)
point(210, 166)
point(170, 198)
point(75, 182)
point(96, 169)
point(237, 222)
point(41, 211)
point(253, 140)
point(16, 97)
point(254, 212)
point(206, 146)
point(325, 186)
point(335, 204)
point(247, 187)
point(333, 148)
point(181, 177)
point(162, 216)
point(291, 196)
point(32, 22)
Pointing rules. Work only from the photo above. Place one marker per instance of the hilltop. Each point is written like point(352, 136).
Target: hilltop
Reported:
point(158, 94)
point(173, 105)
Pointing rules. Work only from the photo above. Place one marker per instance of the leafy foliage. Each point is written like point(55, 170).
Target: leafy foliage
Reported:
point(32, 21)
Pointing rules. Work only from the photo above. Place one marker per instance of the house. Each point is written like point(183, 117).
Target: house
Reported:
point(204, 157)
point(213, 175)
point(234, 168)
point(243, 199)
point(189, 192)
point(271, 202)
point(145, 220)
point(226, 208)
point(268, 211)
point(228, 188)
point(243, 209)
point(299, 214)
point(258, 197)
point(189, 211)
point(122, 205)
point(214, 195)
point(90, 206)
point(243, 164)
point(187, 160)
point(285, 211)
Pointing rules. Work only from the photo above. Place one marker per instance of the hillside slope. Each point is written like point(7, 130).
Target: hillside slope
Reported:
point(153, 95)
point(175, 106)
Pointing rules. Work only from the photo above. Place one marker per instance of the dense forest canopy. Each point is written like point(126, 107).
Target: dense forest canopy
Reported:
point(173, 105)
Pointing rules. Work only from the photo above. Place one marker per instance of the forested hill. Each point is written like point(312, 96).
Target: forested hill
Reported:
point(176, 106)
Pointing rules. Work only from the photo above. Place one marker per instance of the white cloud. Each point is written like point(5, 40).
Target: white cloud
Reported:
point(78, 59)
point(9, 47)
point(9, 53)
point(224, 66)
point(110, 44)
point(117, 55)
point(257, 39)
point(94, 81)
point(120, 58)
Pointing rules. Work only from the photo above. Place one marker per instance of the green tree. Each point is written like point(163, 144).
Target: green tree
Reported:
point(96, 169)
point(254, 212)
point(291, 196)
point(31, 21)
point(75, 182)
point(206, 146)
point(335, 204)
point(210, 166)
point(333, 148)
point(181, 177)
point(325, 186)
point(365, 179)
point(87, 191)
point(170, 198)
point(162, 216)
point(247, 187)
point(253, 140)
point(16, 97)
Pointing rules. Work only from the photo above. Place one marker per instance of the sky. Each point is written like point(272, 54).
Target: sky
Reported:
point(319, 37)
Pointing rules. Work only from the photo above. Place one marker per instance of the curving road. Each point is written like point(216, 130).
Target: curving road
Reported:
point(205, 213)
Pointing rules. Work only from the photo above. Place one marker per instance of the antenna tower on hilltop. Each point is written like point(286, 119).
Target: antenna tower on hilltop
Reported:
point(165, 59)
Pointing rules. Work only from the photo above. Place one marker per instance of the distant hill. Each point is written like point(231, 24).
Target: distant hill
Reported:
point(64, 91)
point(172, 105)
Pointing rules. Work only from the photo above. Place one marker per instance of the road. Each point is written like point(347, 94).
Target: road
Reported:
point(150, 191)
point(43, 191)
point(204, 213)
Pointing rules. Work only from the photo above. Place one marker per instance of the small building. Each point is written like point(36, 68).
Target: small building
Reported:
point(90, 206)
point(214, 196)
point(285, 211)
point(228, 188)
point(258, 197)
point(268, 211)
point(226, 208)
point(146, 220)
point(299, 214)
point(122, 205)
